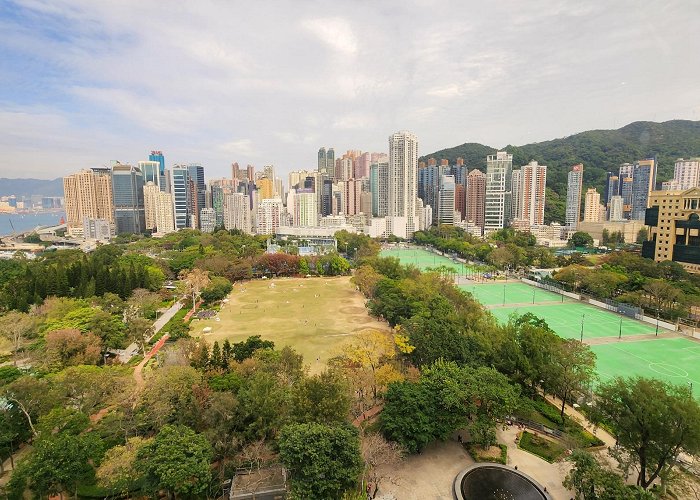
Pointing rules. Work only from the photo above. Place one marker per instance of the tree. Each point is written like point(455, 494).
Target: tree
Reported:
point(321, 398)
point(662, 293)
point(218, 289)
point(573, 370)
point(378, 455)
point(169, 397)
point(177, 460)
point(60, 463)
point(502, 258)
point(368, 350)
point(592, 481)
point(15, 326)
point(246, 349)
point(118, 470)
point(653, 422)
point(70, 347)
point(580, 239)
point(324, 461)
point(642, 235)
point(194, 280)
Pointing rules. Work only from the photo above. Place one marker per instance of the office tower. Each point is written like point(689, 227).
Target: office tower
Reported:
point(127, 194)
point(269, 215)
point(616, 208)
point(352, 197)
point(476, 198)
point(207, 220)
point(87, 195)
point(326, 197)
point(157, 156)
point(237, 214)
point(322, 160)
point(403, 167)
point(266, 188)
point(612, 187)
point(151, 172)
point(529, 193)
point(686, 174)
point(362, 164)
point(574, 186)
point(305, 208)
point(626, 193)
point(217, 203)
point(643, 183)
point(181, 196)
point(498, 190)
point(379, 187)
point(446, 200)
point(199, 189)
point(591, 211)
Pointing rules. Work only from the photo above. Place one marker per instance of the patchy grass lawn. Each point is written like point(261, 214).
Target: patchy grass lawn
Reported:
point(544, 448)
point(314, 316)
point(497, 454)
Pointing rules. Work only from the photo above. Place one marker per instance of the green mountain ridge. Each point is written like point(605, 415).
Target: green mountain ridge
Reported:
point(600, 151)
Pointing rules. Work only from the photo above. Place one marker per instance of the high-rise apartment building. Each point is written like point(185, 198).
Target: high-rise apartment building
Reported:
point(403, 167)
point(379, 187)
point(516, 205)
point(362, 164)
point(352, 196)
point(686, 174)
point(429, 186)
point(616, 209)
point(266, 188)
point(127, 194)
point(476, 197)
point(326, 162)
point(87, 195)
point(643, 183)
point(207, 220)
point(529, 193)
point(446, 200)
point(499, 171)
point(237, 213)
point(150, 189)
point(269, 215)
point(305, 208)
point(591, 211)
point(574, 186)
point(158, 209)
point(460, 200)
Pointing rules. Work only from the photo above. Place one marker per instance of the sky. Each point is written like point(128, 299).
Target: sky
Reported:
point(85, 82)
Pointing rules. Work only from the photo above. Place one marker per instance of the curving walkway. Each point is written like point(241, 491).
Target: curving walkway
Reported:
point(138, 371)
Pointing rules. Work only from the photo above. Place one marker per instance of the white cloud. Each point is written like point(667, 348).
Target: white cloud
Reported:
point(242, 147)
point(335, 32)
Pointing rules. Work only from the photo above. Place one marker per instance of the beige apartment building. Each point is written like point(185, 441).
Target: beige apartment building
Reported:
point(88, 195)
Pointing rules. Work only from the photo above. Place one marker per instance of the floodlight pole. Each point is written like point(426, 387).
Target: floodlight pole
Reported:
point(620, 337)
point(657, 321)
point(533, 296)
point(504, 294)
point(583, 317)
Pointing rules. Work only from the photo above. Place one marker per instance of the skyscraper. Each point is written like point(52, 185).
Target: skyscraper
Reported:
point(158, 209)
point(269, 215)
point(181, 196)
point(151, 172)
point(574, 186)
point(305, 208)
point(643, 183)
point(612, 187)
point(403, 167)
point(87, 195)
point(529, 193)
point(616, 209)
point(476, 197)
point(591, 212)
point(207, 220)
point(429, 186)
point(446, 200)
point(198, 199)
point(499, 171)
point(127, 193)
point(237, 213)
point(163, 181)
point(686, 174)
point(352, 197)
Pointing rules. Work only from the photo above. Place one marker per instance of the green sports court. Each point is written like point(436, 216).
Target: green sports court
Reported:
point(675, 360)
point(424, 259)
point(566, 319)
point(492, 294)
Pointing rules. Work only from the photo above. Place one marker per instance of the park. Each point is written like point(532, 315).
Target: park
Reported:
point(314, 316)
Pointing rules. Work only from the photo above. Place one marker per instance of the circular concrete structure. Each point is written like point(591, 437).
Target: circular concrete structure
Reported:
point(487, 481)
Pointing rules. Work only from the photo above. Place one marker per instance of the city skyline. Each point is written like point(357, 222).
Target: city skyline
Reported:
point(87, 82)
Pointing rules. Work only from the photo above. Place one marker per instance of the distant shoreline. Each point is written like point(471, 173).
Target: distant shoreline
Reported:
point(14, 223)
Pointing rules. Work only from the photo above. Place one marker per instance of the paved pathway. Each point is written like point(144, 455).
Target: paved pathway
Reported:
point(160, 322)
point(579, 417)
point(138, 371)
point(634, 338)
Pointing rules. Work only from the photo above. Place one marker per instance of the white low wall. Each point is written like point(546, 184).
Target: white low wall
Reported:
point(662, 324)
point(574, 296)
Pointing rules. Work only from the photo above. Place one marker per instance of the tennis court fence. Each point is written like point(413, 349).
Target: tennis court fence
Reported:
point(551, 288)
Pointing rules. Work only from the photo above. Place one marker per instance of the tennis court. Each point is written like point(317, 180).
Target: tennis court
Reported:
point(566, 319)
point(423, 259)
point(492, 294)
point(671, 360)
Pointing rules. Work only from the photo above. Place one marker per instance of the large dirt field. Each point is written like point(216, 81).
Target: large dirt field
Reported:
point(314, 316)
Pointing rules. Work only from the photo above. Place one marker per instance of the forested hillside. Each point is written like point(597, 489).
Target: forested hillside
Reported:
point(600, 151)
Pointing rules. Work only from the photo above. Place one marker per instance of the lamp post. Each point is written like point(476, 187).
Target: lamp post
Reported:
point(657, 322)
point(533, 296)
point(620, 337)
